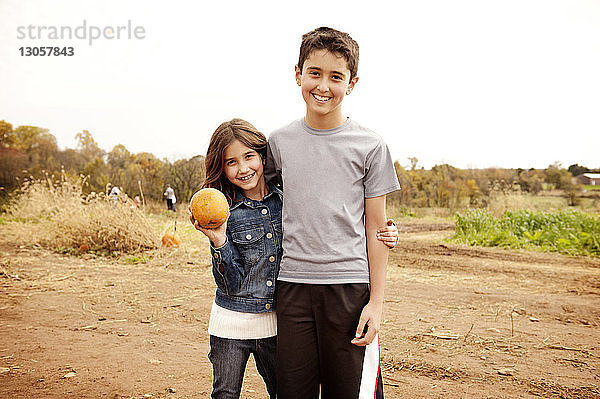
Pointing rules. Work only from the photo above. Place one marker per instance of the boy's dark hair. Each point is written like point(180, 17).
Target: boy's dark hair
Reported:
point(332, 40)
point(227, 133)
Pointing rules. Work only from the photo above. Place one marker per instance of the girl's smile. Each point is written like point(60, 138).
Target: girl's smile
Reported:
point(246, 178)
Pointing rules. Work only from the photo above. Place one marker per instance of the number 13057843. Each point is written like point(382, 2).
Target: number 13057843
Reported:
point(46, 51)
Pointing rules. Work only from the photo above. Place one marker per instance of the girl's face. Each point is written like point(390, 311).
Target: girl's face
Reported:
point(244, 168)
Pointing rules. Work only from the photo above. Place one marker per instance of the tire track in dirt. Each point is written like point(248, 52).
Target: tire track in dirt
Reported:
point(580, 275)
point(513, 323)
point(454, 318)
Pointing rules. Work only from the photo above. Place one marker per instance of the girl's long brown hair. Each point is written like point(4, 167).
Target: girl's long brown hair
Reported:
point(227, 133)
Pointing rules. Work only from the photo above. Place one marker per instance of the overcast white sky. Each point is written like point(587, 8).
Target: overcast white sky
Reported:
point(472, 83)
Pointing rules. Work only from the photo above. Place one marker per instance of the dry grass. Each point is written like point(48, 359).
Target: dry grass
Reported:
point(57, 214)
point(500, 203)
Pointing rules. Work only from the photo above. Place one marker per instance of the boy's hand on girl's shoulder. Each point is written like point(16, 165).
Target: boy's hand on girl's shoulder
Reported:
point(370, 318)
point(217, 236)
point(388, 234)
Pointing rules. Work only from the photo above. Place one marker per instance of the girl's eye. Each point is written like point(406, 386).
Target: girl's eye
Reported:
point(249, 156)
point(230, 163)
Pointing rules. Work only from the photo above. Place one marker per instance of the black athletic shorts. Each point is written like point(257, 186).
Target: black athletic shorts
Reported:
point(315, 324)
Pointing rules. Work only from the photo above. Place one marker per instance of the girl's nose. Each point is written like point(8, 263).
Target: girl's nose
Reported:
point(244, 167)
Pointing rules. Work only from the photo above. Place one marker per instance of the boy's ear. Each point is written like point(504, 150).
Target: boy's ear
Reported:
point(298, 73)
point(351, 84)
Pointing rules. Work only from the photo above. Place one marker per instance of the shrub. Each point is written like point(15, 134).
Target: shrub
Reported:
point(570, 232)
point(65, 218)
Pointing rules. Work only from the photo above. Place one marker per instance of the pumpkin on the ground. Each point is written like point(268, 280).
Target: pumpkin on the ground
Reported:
point(170, 240)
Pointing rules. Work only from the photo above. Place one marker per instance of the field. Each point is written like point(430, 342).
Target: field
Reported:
point(459, 322)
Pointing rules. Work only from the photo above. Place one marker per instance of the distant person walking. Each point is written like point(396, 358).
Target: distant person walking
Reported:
point(171, 199)
point(115, 192)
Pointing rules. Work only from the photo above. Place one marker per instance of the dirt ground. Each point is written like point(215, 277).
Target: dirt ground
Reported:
point(459, 322)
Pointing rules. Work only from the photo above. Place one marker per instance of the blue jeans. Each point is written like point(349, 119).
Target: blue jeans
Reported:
point(229, 358)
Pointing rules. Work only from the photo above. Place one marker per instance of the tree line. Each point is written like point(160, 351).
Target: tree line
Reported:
point(445, 186)
point(31, 151)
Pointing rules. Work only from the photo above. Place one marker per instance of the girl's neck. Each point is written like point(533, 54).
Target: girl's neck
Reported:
point(257, 193)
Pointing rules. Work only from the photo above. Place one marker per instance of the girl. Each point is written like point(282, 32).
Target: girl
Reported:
point(246, 251)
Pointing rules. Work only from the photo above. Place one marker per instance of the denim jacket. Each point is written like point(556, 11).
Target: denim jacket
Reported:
point(245, 268)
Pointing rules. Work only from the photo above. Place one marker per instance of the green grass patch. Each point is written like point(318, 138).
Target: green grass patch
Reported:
point(134, 260)
point(398, 211)
point(67, 251)
point(566, 231)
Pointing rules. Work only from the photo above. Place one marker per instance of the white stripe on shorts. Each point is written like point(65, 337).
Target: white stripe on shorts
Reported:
point(370, 371)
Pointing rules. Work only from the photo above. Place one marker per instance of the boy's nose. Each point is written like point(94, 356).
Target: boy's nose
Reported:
point(323, 86)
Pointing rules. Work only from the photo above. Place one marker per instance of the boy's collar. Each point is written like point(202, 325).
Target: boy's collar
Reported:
point(324, 132)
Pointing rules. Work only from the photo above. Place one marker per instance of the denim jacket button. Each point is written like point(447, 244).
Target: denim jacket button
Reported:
point(264, 211)
point(271, 259)
point(269, 283)
point(248, 236)
point(216, 256)
point(269, 235)
point(268, 306)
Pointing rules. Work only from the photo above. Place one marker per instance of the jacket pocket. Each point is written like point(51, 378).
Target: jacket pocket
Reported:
point(250, 243)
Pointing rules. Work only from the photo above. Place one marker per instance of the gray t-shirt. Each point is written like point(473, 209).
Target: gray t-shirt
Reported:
point(326, 176)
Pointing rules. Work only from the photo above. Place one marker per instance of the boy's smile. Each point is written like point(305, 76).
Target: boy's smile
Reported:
point(320, 99)
point(324, 81)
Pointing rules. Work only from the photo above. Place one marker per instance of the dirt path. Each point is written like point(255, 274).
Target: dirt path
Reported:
point(459, 323)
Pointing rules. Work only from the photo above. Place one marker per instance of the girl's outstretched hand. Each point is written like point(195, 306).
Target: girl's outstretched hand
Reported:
point(388, 234)
point(217, 236)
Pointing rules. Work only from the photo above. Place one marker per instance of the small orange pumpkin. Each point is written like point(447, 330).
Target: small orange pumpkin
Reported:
point(210, 208)
point(170, 240)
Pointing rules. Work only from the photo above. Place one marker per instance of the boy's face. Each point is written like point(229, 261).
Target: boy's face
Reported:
point(324, 81)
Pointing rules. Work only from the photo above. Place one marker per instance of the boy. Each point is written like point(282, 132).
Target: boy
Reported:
point(330, 288)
